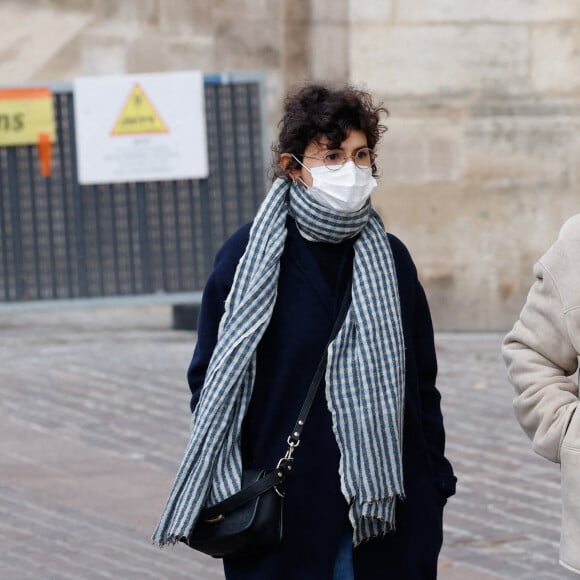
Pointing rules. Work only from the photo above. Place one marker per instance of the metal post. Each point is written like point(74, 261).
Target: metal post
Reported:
point(15, 222)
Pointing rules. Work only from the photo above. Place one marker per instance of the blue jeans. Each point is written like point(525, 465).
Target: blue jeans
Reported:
point(343, 568)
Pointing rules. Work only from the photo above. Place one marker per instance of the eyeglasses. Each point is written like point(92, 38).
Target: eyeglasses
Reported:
point(336, 158)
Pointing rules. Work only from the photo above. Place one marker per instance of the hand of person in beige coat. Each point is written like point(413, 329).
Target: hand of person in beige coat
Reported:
point(541, 353)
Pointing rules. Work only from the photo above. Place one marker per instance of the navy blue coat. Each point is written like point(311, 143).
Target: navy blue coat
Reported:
point(313, 278)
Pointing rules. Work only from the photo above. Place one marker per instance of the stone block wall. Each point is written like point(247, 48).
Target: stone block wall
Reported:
point(480, 163)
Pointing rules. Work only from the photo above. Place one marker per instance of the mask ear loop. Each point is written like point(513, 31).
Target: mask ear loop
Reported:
point(301, 182)
point(300, 162)
point(295, 180)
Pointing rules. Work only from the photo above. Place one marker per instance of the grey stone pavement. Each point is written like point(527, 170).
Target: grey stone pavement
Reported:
point(94, 419)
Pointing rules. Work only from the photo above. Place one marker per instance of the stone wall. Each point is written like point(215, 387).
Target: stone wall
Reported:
point(480, 164)
point(481, 160)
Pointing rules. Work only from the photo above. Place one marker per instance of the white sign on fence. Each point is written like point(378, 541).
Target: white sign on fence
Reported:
point(142, 127)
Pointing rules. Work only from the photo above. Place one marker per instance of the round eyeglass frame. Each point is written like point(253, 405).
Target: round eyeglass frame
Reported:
point(336, 166)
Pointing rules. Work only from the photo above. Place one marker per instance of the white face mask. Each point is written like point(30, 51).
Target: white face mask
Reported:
point(346, 189)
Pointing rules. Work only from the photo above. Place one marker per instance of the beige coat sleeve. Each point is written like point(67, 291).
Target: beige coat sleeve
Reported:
point(540, 358)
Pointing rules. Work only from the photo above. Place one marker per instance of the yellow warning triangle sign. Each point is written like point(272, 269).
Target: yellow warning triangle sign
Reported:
point(139, 116)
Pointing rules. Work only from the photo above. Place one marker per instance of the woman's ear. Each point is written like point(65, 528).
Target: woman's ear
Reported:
point(285, 160)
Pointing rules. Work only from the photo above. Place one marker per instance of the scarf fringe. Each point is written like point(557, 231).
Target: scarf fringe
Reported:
point(372, 519)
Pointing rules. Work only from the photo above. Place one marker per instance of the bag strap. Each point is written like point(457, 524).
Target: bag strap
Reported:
point(285, 464)
point(294, 438)
point(215, 513)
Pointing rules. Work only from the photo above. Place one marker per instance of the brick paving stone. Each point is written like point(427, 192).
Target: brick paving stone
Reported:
point(505, 518)
point(94, 420)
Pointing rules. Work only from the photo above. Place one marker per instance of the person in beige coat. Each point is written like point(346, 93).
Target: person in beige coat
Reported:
point(541, 353)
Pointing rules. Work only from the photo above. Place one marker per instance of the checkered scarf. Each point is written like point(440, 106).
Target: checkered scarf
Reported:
point(364, 376)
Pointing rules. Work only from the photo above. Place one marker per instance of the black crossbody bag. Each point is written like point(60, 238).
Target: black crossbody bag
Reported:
point(251, 519)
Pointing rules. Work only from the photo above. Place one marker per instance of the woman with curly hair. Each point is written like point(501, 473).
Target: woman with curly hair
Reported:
point(369, 481)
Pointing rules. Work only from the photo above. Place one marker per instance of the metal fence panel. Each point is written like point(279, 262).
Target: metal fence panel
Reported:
point(60, 240)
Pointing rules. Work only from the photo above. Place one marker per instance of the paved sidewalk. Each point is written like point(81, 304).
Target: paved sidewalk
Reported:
point(94, 419)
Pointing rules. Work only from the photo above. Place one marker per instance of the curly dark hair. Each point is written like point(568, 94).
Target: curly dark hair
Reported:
point(315, 111)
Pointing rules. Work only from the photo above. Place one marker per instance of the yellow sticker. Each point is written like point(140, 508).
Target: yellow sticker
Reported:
point(139, 116)
point(25, 114)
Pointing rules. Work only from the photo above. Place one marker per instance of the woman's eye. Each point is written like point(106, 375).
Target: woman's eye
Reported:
point(333, 156)
point(363, 154)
